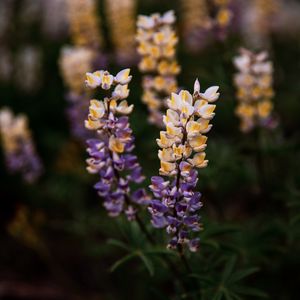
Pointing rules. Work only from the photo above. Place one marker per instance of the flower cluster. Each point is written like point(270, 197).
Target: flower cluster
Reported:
point(18, 146)
point(254, 89)
point(259, 19)
point(25, 226)
point(121, 16)
point(84, 23)
point(110, 153)
point(157, 40)
point(196, 23)
point(223, 17)
point(182, 151)
point(74, 63)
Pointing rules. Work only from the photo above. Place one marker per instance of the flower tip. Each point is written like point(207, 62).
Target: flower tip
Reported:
point(197, 86)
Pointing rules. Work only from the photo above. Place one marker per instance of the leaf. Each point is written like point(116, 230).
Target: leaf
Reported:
point(250, 292)
point(228, 269)
point(118, 244)
point(148, 263)
point(122, 261)
point(160, 251)
point(218, 296)
point(242, 274)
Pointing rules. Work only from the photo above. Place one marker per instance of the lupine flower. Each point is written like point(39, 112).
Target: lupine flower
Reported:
point(19, 150)
point(84, 23)
point(111, 151)
point(54, 19)
point(182, 144)
point(223, 17)
point(254, 90)
point(29, 62)
point(157, 40)
point(25, 225)
point(259, 19)
point(74, 63)
point(121, 21)
point(196, 24)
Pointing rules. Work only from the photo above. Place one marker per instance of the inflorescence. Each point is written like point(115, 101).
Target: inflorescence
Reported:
point(157, 47)
point(121, 19)
point(254, 90)
point(182, 151)
point(19, 150)
point(111, 152)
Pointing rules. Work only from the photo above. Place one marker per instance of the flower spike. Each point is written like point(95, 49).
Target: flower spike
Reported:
point(110, 152)
point(182, 152)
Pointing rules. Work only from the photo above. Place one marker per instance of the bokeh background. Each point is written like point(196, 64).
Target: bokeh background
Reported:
point(57, 241)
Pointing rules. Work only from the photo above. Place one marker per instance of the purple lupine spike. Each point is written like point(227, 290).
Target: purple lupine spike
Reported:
point(20, 153)
point(111, 152)
point(183, 143)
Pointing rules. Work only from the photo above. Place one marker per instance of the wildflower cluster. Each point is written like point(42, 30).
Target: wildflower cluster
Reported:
point(182, 151)
point(74, 63)
point(157, 41)
point(254, 89)
point(84, 23)
point(110, 153)
point(196, 23)
point(18, 146)
point(25, 225)
point(223, 17)
point(121, 16)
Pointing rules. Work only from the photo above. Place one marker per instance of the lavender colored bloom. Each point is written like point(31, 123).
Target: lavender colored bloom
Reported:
point(20, 153)
point(111, 151)
point(177, 202)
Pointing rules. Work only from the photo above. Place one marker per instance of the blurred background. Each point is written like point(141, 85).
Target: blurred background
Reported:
point(57, 241)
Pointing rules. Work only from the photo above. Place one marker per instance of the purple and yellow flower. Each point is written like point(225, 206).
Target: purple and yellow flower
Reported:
point(19, 150)
point(84, 23)
point(196, 23)
point(254, 82)
point(111, 151)
point(157, 42)
point(176, 201)
point(121, 17)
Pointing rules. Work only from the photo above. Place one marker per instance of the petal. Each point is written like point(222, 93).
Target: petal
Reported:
point(123, 76)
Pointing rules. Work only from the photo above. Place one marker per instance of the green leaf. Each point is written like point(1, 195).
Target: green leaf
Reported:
point(122, 261)
point(242, 274)
point(228, 269)
point(250, 292)
point(148, 263)
point(118, 244)
point(218, 296)
point(160, 251)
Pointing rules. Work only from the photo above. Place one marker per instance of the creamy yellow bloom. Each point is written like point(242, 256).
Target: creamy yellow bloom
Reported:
point(254, 89)
point(156, 45)
point(116, 145)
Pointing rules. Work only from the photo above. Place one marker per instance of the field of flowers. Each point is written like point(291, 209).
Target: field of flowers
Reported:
point(149, 149)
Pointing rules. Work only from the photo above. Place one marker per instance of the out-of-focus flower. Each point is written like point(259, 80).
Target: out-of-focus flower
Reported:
point(254, 82)
point(74, 63)
point(223, 17)
point(259, 18)
point(157, 41)
point(110, 152)
point(18, 146)
point(121, 23)
point(6, 13)
point(29, 74)
point(24, 227)
point(6, 64)
point(54, 18)
point(196, 24)
point(182, 152)
point(84, 23)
